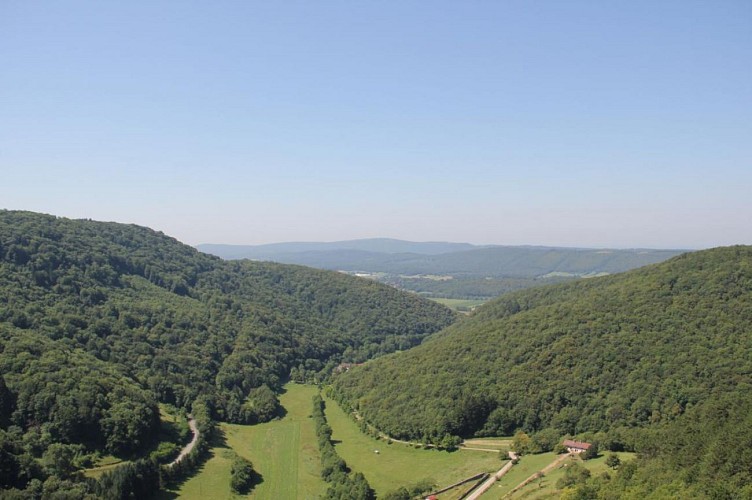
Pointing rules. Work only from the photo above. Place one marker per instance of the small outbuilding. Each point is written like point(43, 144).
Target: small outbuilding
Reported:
point(576, 446)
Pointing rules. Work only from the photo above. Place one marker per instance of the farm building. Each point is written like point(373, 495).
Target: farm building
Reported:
point(575, 446)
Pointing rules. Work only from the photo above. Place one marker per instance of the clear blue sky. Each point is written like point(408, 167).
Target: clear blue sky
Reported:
point(624, 123)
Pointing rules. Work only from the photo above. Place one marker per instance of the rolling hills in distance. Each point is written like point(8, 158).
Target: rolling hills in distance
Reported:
point(449, 270)
point(657, 360)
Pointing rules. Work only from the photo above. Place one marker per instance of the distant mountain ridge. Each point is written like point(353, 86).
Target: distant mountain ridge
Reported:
point(374, 245)
point(457, 259)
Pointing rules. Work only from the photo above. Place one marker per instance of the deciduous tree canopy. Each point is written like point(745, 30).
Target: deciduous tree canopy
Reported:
point(663, 349)
point(100, 321)
point(623, 350)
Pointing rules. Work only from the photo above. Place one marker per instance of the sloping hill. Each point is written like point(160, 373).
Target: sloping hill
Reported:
point(624, 350)
point(100, 321)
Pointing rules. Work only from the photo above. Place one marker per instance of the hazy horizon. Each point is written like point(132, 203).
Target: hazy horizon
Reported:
point(569, 124)
point(206, 243)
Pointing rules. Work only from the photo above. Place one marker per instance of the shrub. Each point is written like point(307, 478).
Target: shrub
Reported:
point(242, 475)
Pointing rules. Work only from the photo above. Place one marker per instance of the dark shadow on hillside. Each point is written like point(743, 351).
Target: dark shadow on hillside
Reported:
point(281, 413)
point(257, 479)
point(218, 439)
point(165, 495)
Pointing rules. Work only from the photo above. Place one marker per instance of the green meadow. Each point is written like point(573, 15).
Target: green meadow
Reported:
point(283, 452)
point(398, 464)
point(545, 487)
point(461, 305)
point(526, 467)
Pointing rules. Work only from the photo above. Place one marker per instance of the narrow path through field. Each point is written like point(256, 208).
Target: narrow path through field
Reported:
point(491, 480)
point(544, 470)
point(189, 447)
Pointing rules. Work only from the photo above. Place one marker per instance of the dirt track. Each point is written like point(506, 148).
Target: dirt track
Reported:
point(189, 447)
point(491, 480)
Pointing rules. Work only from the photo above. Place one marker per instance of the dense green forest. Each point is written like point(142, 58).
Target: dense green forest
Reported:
point(664, 347)
point(101, 321)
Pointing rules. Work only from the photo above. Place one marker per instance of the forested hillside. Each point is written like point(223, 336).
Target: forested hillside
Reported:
point(627, 349)
point(608, 354)
point(101, 321)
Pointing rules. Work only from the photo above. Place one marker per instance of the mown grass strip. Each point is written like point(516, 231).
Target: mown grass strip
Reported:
point(283, 452)
point(396, 465)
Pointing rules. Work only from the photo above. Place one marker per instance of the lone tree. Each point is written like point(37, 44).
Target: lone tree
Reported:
point(242, 475)
point(613, 461)
point(591, 452)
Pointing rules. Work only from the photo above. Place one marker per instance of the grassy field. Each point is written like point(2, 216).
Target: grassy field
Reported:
point(401, 465)
point(495, 443)
point(104, 464)
point(545, 487)
point(284, 452)
point(527, 466)
point(462, 305)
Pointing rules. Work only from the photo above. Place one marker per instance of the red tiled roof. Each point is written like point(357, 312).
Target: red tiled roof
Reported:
point(580, 445)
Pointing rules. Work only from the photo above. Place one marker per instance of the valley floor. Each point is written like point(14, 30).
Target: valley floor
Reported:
point(283, 452)
point(396, 464)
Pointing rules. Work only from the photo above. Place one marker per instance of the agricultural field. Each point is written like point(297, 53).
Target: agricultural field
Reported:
point(527, 466)
point(545, 487)
point(490, 443)
point(460, 305)
point(284, 452)
point(397, 464)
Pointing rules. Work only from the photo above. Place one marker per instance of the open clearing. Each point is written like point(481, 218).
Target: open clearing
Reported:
point(495, 443)
point(462, 305)
point(284, 452)
point(401, 465)
point(545, 487)
point(527, 466)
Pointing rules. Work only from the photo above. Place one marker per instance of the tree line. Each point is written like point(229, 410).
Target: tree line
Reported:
point(343, 484)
